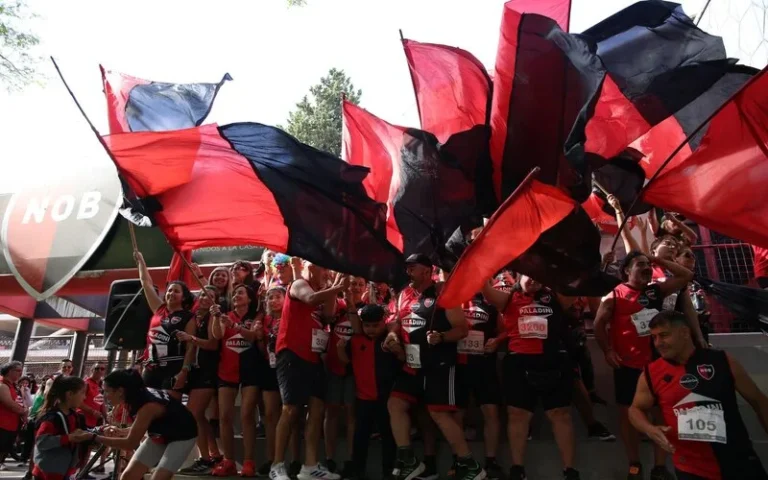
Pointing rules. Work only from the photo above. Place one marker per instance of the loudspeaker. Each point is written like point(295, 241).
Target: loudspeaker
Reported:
point(128, 315)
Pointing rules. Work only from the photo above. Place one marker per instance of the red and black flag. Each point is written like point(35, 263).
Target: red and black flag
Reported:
point(429, 187)
point(137, 105)
point(588, 97)
point(557, 10)
point(538, 231)
point(721, 184)
point(252, 184)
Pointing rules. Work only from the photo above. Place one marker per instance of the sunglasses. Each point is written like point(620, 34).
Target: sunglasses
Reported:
point(100, 368)
point(240, 267)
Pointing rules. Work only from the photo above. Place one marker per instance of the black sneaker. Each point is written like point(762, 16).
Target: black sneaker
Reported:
point(517, 472)
point(571, 474)
point(408, 472)
point(201, 466)
point(598, 430)
point(597, 399)
point(493, 471)
point(635, 472)
point(348, 470)
point(472, 471)
point(294, 468)
point(263, 470)
point(451, 473)
point(660, 472)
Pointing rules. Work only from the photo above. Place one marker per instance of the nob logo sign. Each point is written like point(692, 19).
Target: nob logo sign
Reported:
point(49, 232)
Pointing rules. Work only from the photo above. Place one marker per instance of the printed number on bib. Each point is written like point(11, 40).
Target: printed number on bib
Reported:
point(272, 360)
point(413, 356)
point(642, 319)
point(533, 327)
point(472, 344)
point(319, 340)
point(700, 424)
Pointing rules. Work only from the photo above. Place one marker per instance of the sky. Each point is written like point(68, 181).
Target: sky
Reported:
point(273, 52)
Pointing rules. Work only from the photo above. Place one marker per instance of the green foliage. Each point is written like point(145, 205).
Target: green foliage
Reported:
point(297, 3)
point(17, 64)
point(317, 118)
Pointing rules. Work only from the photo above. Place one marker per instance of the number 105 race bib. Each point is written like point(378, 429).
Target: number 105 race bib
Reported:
point(701, 424)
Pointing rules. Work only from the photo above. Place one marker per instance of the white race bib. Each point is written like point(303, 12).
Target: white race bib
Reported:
point(701, 424)
point(533, 327)
point(413, 355)
point(641, 320)
point(319, 340)
point(669, 302)
point(272, 360)
point(472, 344)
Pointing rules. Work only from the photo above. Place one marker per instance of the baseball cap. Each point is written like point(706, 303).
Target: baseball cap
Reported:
point(420, 259)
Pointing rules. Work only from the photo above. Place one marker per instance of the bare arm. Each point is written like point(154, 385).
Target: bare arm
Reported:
point(144, 417)
point(218, 325)
point(653, 221)
point(603, 318)
point(748, 389)
point(497, 298)
point(629, 241)
point(693, 320)
point(638, 415)
point(685, 229)
point(459, 326)
point(210, 343)
point(680, 279)
point(300, 290)
point(153, 299)
point(191, 351)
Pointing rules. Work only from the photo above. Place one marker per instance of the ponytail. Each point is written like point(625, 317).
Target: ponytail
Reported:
point(58, 392)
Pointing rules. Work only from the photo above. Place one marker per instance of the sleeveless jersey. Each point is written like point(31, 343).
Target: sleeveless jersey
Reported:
point(417, 316)
point(162, 344)
point(482, 319)
point(205, 359)
point(94, 399)
point(177, 423)
point(341, 328)
point(237, 354)
point(698, 402)
point(9, 420)
point(302, 330)
point(632, 312)
point(535, 323)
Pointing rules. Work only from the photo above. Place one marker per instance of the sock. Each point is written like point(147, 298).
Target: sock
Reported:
point(430, 461)
point(405, 455)
point(467, 461)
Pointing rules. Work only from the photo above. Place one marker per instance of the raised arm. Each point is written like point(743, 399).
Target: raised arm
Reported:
point(495, 297)
point(153, 299)
point(680, 279)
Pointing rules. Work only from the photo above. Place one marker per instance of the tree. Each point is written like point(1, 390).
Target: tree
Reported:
point(317, 121)
point(17, 64)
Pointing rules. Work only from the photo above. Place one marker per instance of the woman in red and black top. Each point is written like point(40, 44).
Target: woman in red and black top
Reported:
point(242, 273)
point(241, 363)
point(270, 391)
point(11, 412)
point(165, 353)
point(536, 369)
point(199, 378)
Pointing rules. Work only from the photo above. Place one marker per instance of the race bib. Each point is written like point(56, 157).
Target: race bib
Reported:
point(641, 320)
point(669, 302)
point(413, 355)
point(533, 327)
point(702, 424)
point(319, 340)
point(472, 344)
point(272, 360)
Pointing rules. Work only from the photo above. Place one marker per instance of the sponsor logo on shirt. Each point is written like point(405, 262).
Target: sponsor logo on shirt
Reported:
point(694, 401)
point(475, 314)
point(237, 343)
point(706, 371)
point(643, 301)
point(413, 322)
point(343, 329)
point(535, 309)
point(428, 302)
point(689, 382)
point(546, 298)
point(651, 294)
point(175, 320)
point(158, 335)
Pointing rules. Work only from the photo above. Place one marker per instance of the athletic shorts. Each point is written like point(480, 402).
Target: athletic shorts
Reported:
point(7, 439)
point(435, 387)
point(341, 390)
point(202, 378)
point(269, 380)
point(161, 377)
point(169, 456)
point(299, 379)
point(530, 379)
point(479, 378)
point(624, 384)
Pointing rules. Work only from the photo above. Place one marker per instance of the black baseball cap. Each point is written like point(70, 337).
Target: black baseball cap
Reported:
point(420, 259)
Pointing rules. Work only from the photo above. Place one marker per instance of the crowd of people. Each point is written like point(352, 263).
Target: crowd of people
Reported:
point(303, 347)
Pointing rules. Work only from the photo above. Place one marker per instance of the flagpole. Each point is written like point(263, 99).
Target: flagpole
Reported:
point(112, 157)
point(680, 147)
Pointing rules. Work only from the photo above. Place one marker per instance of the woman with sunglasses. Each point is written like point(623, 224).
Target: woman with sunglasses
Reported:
point(241, 363)
point(164, 354)
point(202, 353)
point(242, 273)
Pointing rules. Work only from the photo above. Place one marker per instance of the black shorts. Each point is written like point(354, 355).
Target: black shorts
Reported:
point(624, 384)
point(299, 379)
point(529, 379)
point(7, 439)
point(435, 387)
point(269, 379)
point(202, 378)
point(479, 377)
point(161, 377)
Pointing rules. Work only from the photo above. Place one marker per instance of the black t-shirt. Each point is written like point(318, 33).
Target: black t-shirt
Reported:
point(176, 424)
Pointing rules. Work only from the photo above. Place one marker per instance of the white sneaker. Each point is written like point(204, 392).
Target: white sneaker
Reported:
point(318, 472)
point(278, 472)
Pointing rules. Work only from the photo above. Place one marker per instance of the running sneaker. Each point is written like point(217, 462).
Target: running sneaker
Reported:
point(201, 466)
point(598, 430)
point(330, 464)
point(635, 472)
point(493, 471)
point(571, 474)
point(408, 472)
point(278, 472)
point(318, 472)
point(473, 471)
point(294, 468)
point(517, 472)
point(225, 468)
point(348, 470)
point(660, 472)
point(249, 469)
point(264, 469)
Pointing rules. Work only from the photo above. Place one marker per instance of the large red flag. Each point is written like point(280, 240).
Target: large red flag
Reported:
point(453, 89)
point(515, 227)
point(722, 185)
point(557, 10)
